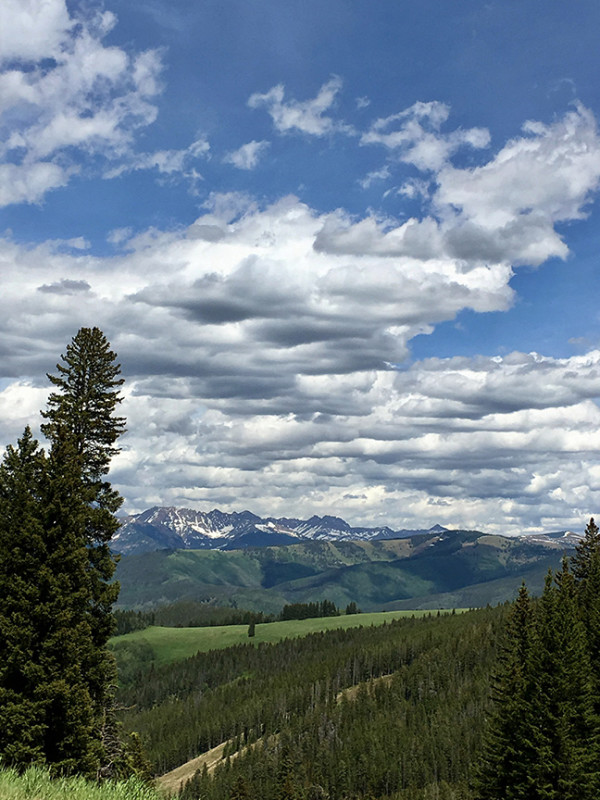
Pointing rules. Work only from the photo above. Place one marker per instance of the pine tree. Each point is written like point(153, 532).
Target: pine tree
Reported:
point(584, 551)
point(22, 556)
point(66, 646)
point(85, 407)
point(567, 768)
point(56, 522)
point(586, 569)
point(511, 747)
point(82, 412)
point(543, 739)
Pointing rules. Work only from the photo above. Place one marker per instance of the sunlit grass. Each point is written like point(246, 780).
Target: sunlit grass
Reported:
point(173, 644)
point(36, 784)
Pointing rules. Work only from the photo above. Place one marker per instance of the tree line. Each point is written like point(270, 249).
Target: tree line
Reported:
point(196, 614)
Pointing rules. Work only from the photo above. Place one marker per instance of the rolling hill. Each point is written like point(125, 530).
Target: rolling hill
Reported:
point(431, 570)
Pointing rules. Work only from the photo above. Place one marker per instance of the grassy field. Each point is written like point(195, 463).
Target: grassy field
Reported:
point(35, 784)
point(173, 644)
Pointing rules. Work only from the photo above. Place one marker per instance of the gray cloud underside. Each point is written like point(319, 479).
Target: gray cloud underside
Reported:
point(261, 348)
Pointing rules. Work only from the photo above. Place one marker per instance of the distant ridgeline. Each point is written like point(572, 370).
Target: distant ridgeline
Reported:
point(429, 570)
point(162, 528)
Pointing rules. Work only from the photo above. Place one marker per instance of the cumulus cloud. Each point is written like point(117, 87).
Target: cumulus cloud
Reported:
point(307, 116)
point(66, 96)
point(548, 173)
point(32, 30)
point(248, 155)
point(266, 350)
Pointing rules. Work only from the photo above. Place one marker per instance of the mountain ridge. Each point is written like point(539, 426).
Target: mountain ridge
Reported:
point(169, 527)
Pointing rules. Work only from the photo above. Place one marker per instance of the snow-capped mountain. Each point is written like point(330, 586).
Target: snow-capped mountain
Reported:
point(161, 528)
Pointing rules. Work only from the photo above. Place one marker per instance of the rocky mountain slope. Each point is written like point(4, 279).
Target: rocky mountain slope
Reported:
point(161, 528)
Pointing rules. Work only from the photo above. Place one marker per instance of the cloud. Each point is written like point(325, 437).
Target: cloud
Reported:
point(376, 175)
point(306, 116)
point(248, 155)
point(548, 174)
point(32, 30)
point(65, 286)
point(67, 98)
point(502, 212)
point(165, 162)
point(414, 135)
point(266, 350)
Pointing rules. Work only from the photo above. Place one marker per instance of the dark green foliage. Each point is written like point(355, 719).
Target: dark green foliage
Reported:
point(129, 621)
point(585, 551)
point(252, 629)
point(397, 735)
point(543, 740)
point(56, 522)
point(23, 553)
point(84, 407)
point(309, 610)
point(352, 608)
point(510, 751)
point(411, 736)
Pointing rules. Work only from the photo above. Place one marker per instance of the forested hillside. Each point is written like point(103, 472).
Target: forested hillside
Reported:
point(454, 569)
point(424, 726)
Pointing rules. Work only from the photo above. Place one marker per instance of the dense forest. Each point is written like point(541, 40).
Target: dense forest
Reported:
point(433, 708)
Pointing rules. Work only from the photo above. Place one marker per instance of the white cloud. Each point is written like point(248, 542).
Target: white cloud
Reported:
point(381, 174)
point(165, 162)
point(257, 346)
point(68, 96)
point(414, 135)
point(548, 173)
point(28, 183)
point(31, 30)
point(308, 116)
point(248, 155)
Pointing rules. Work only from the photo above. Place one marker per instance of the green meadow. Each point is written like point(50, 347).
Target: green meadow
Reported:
point(173, 644)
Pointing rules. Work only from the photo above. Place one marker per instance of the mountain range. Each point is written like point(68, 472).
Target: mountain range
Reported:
point(161, 528)
point(175, 554)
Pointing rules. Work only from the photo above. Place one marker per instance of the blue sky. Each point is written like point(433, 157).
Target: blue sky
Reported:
point(347, 252)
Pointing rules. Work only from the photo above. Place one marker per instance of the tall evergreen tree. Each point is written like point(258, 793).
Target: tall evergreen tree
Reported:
point(567, 766)
point(23, 552)
point(67, 645)
point(506, 771)
point(584, 551)
point(56, 522)
point(83, 413)
point(586, 569)
point(543, 742)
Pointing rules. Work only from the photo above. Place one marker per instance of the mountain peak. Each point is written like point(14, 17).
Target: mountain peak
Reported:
point(163, 527)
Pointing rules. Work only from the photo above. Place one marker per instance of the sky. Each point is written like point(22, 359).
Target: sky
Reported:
point(346, 252)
